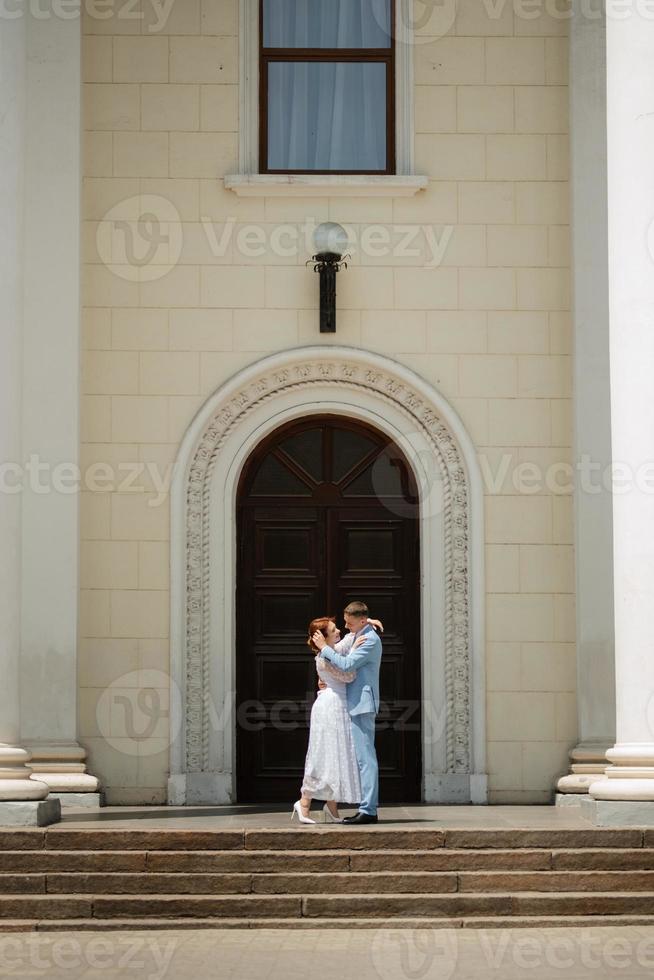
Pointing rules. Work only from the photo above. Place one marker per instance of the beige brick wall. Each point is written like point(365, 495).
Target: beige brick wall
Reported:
point(489, 327)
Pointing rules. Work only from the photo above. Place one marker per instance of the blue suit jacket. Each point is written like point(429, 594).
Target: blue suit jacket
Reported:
point(363, 691)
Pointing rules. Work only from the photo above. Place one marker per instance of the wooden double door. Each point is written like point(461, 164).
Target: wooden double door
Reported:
point(326, 513)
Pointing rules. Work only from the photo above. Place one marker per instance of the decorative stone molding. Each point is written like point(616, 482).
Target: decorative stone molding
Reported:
point(352, 380)
point(61, 766)
point(455, 515)
point(15, 776)
point(629, 774)
point(587, 764)
point(324, 185)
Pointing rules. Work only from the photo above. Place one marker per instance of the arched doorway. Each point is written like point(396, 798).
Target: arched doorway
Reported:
point(327, 512)
point(281, 388)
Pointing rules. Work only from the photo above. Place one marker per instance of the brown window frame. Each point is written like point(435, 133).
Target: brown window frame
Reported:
point(385, 55)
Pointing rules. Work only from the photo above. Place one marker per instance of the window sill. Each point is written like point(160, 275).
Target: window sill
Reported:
point(325, 185)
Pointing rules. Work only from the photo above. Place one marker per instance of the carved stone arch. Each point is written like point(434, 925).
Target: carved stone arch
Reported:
point(232, 422)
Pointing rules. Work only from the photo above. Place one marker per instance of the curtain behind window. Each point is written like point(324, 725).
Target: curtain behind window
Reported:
point(326, 115)
point(326, 24)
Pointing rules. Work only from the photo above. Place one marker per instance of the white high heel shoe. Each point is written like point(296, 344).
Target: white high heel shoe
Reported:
point(329, 816)
point(297, 811)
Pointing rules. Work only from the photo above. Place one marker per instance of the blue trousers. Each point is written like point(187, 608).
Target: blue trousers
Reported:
point(363, 731)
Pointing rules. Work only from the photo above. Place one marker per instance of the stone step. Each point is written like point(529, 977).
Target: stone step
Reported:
point(178, 861)
point(155, 906)
point(244, 862)
point(321, 838)
point(307, 883)
point(145, 884)
point(555, 881)
point(320, 907)
point(591, 859)
point(321, 883)
point(45, 907)
point(295, 906)
point(583, 903)
point(378, 838)
point(466, 905)
point(354, 883)
point(22, 884)
point(59, 839)
point(604, 859)
point(451, 860)
point(269, 861)
point(146, 924)
point(322, 876)
point(243, 884)
point(43, 861)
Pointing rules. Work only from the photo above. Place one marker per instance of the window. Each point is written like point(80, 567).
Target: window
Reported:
point(326, 86)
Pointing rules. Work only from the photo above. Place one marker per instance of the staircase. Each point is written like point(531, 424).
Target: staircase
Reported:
point(54, 878)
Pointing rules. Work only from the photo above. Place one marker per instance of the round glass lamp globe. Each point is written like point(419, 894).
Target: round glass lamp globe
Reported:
point(330, 237)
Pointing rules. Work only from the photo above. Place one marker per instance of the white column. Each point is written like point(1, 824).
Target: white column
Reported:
point(630, 143)
point(15, 782)
point(51, 393)
point(592, 421)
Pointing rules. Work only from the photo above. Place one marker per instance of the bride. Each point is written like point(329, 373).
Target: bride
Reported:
point(331, 771)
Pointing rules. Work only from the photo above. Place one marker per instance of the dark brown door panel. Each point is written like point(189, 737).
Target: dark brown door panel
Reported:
point(326, 513)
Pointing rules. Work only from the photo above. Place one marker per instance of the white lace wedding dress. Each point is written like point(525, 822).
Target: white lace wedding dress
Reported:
point(331, 770)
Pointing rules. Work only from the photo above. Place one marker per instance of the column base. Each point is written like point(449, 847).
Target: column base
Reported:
point(16, 784)
point(587, 764)
point(630, 776)
point(618, 813)
point(29, 813)
point(61, 766)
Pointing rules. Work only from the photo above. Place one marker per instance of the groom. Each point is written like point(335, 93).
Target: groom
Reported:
point(362, 700)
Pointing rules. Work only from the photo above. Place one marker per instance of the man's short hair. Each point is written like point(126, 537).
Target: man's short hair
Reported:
point(356, 609)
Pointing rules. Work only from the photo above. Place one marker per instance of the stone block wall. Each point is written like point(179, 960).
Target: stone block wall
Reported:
point(487, 324)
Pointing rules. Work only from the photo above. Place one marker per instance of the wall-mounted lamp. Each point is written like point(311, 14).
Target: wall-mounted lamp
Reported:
point(330, 241)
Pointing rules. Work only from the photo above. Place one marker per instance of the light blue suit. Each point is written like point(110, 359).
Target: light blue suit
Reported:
point(363, 705)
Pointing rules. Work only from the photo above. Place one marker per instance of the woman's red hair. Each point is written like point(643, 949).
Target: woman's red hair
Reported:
point(318, 624)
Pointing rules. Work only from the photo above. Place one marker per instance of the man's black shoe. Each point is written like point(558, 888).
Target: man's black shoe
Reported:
point(361, 818)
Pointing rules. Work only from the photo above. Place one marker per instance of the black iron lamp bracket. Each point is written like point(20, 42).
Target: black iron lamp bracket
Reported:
point(327, 264)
